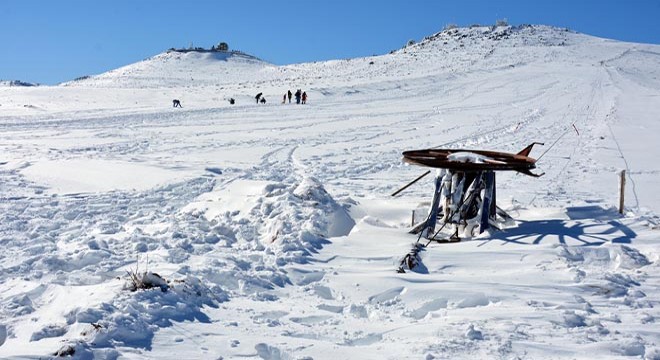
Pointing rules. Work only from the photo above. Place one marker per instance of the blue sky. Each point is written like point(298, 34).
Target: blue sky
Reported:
point(52, 41)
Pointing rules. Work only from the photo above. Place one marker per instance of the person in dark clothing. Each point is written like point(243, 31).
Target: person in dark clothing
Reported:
point(232, 101)
point(289, 95)
point(298, 94)
point(263, 100)
point(176, 103)
point(304, 97)
point(258, 97)
point(284, 98)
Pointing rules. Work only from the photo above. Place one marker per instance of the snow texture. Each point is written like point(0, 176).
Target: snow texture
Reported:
point(268, 231)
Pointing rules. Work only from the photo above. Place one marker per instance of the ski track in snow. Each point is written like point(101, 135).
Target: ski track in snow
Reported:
point(274, 226)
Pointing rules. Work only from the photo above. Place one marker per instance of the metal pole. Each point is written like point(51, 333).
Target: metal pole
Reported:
point(487, 200)
point(410, 183)
point(622, 190)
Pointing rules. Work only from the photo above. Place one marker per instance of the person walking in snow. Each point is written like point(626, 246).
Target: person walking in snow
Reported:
point(284, 99)
point(176, 103)
point(304, 97)
point(289, 95)
point(298, 96)
point(258, 97)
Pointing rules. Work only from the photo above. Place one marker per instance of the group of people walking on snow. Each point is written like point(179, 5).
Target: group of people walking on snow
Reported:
point(301, 97)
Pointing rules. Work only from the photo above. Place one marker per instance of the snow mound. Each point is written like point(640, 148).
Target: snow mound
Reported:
point(132, 318)
point(300, 218)
point(335, 220)
point(473, 334)
point(609, 272)
point(292, 220)
point(614, 257)
point(179, 69)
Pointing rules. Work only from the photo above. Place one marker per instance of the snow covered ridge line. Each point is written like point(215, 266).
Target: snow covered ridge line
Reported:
point(9, 83)
point(179, 69)
point(225, 52)
point(525, 34)
point(196, 67)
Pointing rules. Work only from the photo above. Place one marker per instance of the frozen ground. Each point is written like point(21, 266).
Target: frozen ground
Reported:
point(273, 223)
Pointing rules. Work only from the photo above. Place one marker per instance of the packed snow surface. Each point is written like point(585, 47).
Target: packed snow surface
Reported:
point(469, 157)
point(132, 229)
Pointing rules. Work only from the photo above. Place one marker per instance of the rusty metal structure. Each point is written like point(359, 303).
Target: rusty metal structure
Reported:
point(465, 189)
point(473, 160)
point(465, 199)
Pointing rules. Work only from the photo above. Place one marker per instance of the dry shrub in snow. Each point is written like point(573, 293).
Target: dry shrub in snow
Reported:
point(146, 280)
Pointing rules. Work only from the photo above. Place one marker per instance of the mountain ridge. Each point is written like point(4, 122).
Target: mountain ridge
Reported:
point(196, 66)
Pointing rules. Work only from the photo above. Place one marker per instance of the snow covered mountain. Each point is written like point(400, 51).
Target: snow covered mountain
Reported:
point(271, 227)
point(15, 83)
point(179, 68)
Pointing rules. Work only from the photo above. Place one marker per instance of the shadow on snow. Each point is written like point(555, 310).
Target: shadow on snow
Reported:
point(587, 226)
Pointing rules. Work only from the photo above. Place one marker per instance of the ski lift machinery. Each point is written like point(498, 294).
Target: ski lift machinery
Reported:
point(465, 198)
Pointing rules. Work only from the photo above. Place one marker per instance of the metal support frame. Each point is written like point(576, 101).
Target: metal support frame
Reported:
point(461, 201)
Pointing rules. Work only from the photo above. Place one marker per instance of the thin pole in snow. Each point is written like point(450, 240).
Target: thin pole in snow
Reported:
point(410, 183)
point(622, 190)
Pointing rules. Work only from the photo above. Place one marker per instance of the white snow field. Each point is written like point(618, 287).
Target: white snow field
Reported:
point(272, 229)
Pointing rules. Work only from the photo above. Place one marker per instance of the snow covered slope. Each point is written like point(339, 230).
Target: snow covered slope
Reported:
point(273, 225)
point(4, 83)
point(179, 68)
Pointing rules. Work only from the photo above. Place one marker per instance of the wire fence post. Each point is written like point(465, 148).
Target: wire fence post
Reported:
point(622, 190)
